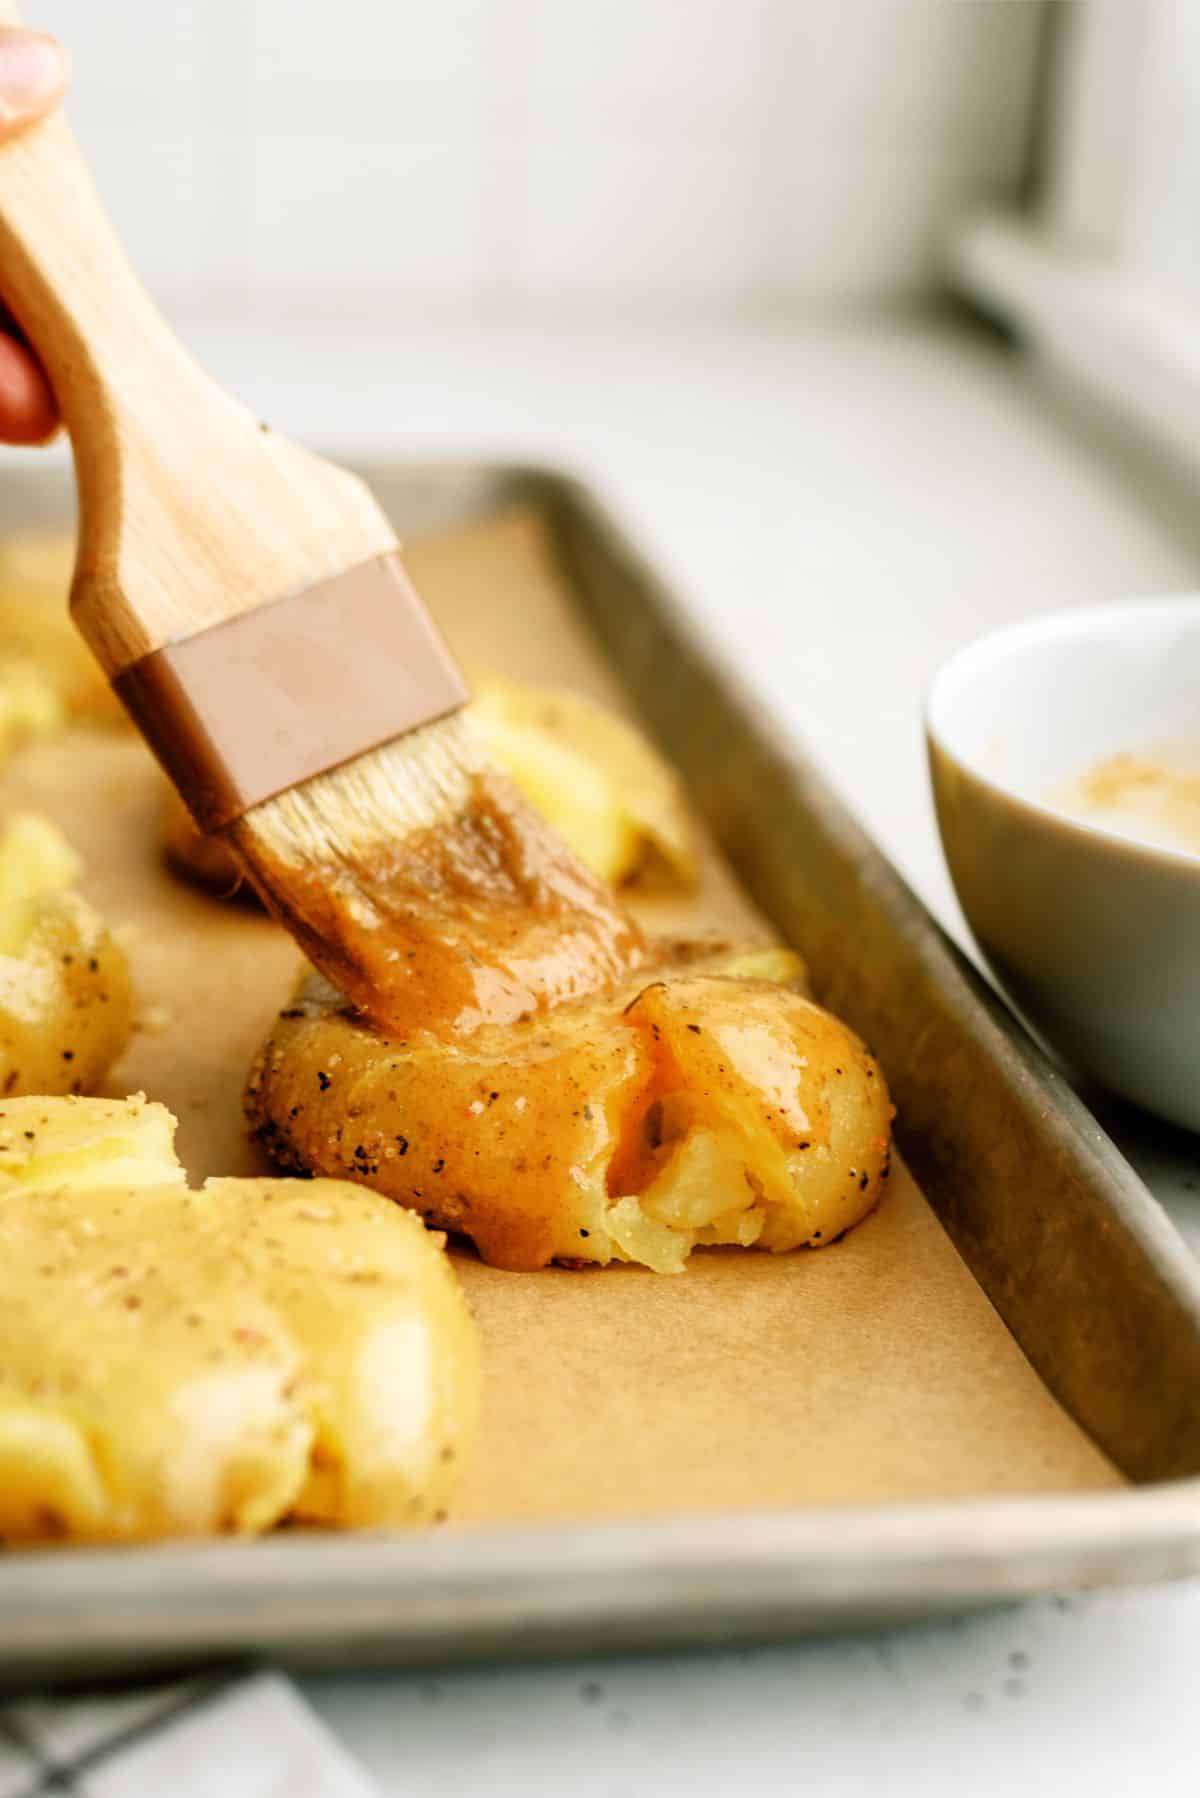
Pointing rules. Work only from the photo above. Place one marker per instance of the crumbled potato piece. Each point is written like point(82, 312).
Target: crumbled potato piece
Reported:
point(82, 1145)
point(179, 1362)
point(593, 776)
point(708, 1103)
point(48, 676)
point(65, 997)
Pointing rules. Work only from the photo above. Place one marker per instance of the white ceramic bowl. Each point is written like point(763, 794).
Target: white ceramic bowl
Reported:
point(1096, 937)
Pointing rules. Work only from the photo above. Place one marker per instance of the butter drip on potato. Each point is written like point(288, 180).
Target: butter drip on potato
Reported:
point(65, 998)
point(706, 1102)
point(179, 1362)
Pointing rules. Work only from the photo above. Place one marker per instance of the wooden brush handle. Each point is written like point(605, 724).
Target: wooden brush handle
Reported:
point(190, 511)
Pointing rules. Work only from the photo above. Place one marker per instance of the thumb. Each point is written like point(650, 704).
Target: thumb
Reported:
point(33, 78)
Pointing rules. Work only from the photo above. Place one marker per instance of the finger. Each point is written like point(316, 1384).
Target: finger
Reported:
point(10, 327)
point(27, 410)
point(33, 78)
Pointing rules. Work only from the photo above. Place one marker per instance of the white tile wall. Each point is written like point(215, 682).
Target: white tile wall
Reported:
point(1123, 172)
point(1094, 121)
point(537, 157)
point(1162, 221)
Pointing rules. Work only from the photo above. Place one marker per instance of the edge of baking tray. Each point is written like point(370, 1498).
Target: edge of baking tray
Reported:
point(531, 1590)
point(518, 1592)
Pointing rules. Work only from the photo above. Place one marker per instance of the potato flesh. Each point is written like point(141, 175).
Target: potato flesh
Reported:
point(772, 1125)
point(66, 1005)
point(83, 1145)
point(175, 1362)
point(707, 1106)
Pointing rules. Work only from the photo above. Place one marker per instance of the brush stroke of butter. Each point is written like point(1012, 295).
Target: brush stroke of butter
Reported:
point(1139, 796)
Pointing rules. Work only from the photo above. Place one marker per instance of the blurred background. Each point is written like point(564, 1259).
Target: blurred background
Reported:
point(657, 156)
point(538, 161)
point(740, 262)
point(559, 161)
point(522, 157)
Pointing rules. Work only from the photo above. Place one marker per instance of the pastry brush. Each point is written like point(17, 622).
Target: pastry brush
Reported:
point(248, 603)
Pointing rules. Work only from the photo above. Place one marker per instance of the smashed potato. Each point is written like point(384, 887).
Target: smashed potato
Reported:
point(48, 677)
point(707, 1103)
point(607, 793)
point(594, 777)
point(66, 1006)
point(178, 1362)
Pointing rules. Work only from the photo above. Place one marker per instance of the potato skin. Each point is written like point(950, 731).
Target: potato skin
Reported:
point(447, 1128)
point(66, 1002)
point(546, 1141)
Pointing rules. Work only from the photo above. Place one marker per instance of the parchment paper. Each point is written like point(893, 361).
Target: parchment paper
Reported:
point(873, 1369)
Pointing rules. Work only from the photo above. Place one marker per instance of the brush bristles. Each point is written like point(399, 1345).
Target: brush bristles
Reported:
point(344, 818)
point(427, 890)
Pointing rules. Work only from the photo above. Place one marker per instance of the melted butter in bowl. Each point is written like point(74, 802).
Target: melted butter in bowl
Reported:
point(1065, 764)
point(1150, 798)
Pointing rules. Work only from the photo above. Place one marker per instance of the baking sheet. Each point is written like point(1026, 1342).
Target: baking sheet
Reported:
point(1064, 1239)
point(872, 1369)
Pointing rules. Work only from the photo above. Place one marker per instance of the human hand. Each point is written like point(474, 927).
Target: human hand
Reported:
point(33, 78)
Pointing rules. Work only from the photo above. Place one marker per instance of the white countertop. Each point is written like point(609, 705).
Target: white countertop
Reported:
point(842, 507)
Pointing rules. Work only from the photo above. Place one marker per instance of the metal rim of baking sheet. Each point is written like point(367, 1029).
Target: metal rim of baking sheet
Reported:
point(1076, 1255)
